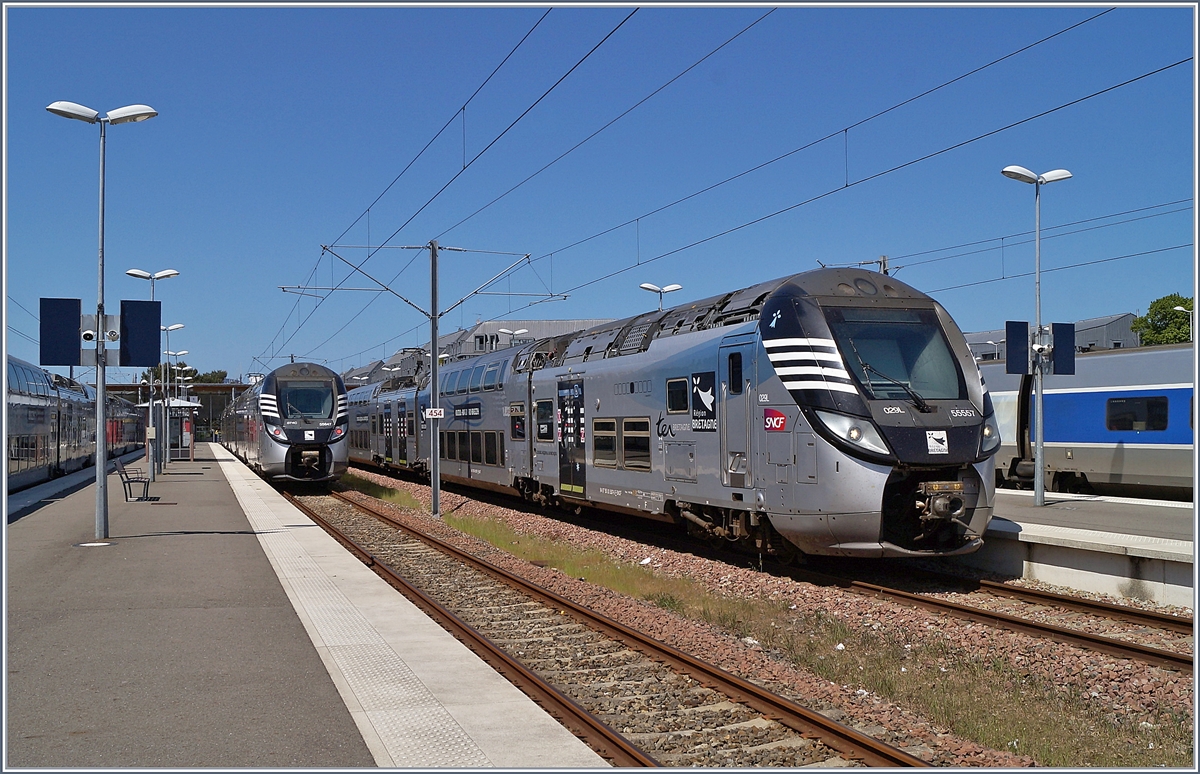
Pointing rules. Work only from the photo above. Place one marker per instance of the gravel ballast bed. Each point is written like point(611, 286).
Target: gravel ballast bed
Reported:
point(1126, 692)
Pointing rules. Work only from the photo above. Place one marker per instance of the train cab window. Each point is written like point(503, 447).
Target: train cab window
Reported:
point(635, 444)
point(545, 420)
point(516, 413)
point(489, 377)
point(735, 373)
point(477, 378)
point(464, 379)
point(1138, 414)
point(677, 396)
point(604, 443)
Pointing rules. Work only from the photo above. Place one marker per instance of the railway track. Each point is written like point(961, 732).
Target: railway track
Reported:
point(1167, 657)
point(595, 674)
point(1121, 648)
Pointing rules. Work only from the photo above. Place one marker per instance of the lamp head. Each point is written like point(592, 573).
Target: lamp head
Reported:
point(651, 287)
point(138, 273)
point(74, 110)
point(1019, 173)
point(671, 288)
point(164, 274)
point(1053, 176)
point(130, 114)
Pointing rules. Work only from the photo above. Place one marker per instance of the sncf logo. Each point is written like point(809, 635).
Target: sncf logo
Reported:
point(774, 421)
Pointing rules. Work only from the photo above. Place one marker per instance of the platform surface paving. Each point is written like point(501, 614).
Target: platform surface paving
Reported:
point(221, 628)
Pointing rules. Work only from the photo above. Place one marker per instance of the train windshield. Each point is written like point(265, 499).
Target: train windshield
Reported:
point(307, 399)
point(894, 353)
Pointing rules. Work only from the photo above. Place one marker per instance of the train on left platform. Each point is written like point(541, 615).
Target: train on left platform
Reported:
point(291, 425)
point(51, 425)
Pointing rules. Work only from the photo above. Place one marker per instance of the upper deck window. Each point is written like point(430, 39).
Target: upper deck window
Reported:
point(884, 346)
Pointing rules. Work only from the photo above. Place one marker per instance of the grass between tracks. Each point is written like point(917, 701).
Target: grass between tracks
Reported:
point(977, 695)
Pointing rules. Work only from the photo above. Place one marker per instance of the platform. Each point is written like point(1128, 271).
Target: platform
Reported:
point(1135, 549)
point(219, 627)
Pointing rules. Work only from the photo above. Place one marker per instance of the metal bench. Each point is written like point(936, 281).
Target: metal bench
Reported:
point(131, 476)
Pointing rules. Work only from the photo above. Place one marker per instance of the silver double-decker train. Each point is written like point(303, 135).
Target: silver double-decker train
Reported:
point(291, 425)
point(835, 412)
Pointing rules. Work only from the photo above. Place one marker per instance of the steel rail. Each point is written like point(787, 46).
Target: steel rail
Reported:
point(608, 743)
point(1113, 647)
point(808, 723)
point(1132, 615)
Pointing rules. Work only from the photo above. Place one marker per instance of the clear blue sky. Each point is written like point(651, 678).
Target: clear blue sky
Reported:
point(279, 127)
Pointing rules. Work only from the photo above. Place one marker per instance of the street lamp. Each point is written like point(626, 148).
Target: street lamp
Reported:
point(1039, 341)
point(164, 274)
point(512, 334)
point(1191, 320)
point(124, 115)
point(660, 291)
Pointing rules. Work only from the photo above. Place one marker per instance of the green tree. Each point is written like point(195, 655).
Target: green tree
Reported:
point(1163, 324)
point(212, 377)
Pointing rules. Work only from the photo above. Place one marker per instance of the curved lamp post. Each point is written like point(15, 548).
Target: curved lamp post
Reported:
point(512, 334)
point(1191, 319)
point(123, 115)
point(660, 291)
point(1037, 181)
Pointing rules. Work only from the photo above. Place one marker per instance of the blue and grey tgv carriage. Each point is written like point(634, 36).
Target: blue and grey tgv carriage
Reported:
point(832, 412)
point(292, 425)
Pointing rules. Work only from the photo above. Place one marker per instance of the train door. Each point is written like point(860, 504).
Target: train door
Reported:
point(572, 454)
point(402, 433)
point(735, 388)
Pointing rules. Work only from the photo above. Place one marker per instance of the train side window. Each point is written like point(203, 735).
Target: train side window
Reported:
point(516, 412)
point(490, 451)
point(604, 443)
point(476, 378)
point(464, 446)
point(635, 444)
point(1138, 414)
point(476, 446)
point(735, 373)
point(449, 447)
point(545, 420)
point(489, 377)
point(677, 396)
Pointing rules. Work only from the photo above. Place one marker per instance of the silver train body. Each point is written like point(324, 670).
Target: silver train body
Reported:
point(51, 425)
point(291, 426)
point(1121, 423)
point(833, 412)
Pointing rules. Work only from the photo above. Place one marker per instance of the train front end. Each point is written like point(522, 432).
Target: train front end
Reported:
point(305, 417)
point(905, 433)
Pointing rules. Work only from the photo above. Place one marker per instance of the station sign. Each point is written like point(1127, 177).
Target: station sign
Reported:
point(435, 413)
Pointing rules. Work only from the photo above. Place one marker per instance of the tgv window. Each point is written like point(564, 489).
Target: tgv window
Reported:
point(884, 346)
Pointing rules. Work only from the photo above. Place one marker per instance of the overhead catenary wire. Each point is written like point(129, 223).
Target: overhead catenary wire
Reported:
point(476, 158)
point(758, 167)
point(366, 212)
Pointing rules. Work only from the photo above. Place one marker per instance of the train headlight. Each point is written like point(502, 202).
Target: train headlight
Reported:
point(857, 430)
point(989, 436)
point(339, 431)
point(275, 431)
